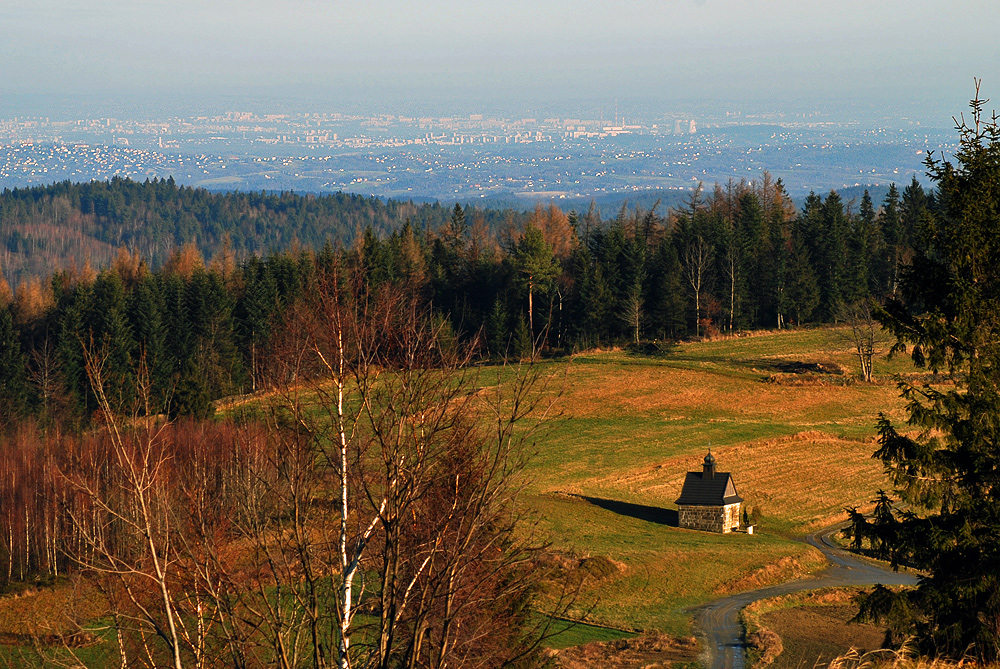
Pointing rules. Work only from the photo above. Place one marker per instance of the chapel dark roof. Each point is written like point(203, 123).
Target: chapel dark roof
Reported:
point(708, 487)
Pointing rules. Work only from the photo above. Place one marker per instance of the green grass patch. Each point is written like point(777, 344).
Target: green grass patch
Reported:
point(799, 445)
point(662, 571)
point(566, 633)
point(605, 475)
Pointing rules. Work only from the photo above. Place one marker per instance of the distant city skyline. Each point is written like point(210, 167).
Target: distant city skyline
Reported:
point(153, 58)
point(469, 157)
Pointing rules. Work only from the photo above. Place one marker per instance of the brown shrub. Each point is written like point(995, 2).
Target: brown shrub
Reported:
point(767, 643)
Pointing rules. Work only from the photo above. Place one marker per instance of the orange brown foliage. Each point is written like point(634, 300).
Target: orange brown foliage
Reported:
point(130, 267)
point(87, 274)
point(223, 263)
point(556, 230)
point(413, 262)
point(6, 295)
point(483, 242)
point(31, 300)
point(51, 485)
point(184, 262)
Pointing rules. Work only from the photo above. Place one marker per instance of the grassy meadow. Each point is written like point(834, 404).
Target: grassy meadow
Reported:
point(781, 411)
point(813, 627)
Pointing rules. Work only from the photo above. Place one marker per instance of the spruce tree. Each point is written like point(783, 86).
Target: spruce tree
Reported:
point(536, 268)
point(255, 313)
point(751, 288)
point(832, 266)
point(145, 315)
point(913, 208)
point(71, 337)
point(14, 388)
point(948, 477)
point(777, 277)
point(498, 335)
point(869, 246)
point(109, 336)
point(892, 237)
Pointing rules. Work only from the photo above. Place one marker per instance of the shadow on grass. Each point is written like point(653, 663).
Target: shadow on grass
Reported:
point(650, 514)
point(765, 364)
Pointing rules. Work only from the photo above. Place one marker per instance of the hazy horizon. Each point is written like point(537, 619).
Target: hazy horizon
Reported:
point(916, 59)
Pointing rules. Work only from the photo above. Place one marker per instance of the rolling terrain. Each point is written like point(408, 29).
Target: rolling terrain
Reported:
point(782, 411)
point(799, 447)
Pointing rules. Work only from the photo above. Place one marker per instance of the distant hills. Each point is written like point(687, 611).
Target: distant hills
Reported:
point(77, 223)
point(63, 224)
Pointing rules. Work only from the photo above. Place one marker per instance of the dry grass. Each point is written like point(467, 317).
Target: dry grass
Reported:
point(617, 386)
point(604, 482)
point(806, 629)
point(802, 482)
point(784, 569)
point(49, 612)
point(650, 650)
point(806, 479)
point(884, 659)
point(633, 426)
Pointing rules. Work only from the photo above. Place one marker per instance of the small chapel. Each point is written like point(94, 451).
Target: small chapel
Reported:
point(709, 501)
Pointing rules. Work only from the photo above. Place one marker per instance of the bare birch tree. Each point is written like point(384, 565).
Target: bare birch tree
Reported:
point(422, 540)
point(153, 506)
point(862, 333)
point(731, 265)
point(632, 312)
point(371, 524)
point(697, 260)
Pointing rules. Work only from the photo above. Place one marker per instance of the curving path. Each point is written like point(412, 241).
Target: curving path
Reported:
point(719, 624)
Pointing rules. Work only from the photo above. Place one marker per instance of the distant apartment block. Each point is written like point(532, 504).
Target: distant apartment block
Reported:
point(685, 127)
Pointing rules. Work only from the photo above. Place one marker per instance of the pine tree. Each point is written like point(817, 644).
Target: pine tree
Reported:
point(109, 335)
point(179, 340)
point(145, 315)
point(831, 268)
point(536, 268)
point(892, 237)
point(749, 290)
point(14, 388)
point(457, 228)
point(255, 313)
point(523, 344)
point(71, 338)
point(191, 396)
point(869, 247)
point(802, 289)
point(598, 301)
point(631, 301)
point(209, 309)
point(949, 476)
point(913, 209)
point(777, 276)
point(498, 335)
point(591, 298)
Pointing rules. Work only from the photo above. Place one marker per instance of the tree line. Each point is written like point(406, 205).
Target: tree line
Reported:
point(737, 258)
point(68, 223)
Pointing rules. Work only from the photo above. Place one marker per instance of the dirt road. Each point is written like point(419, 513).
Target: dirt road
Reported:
point(718, 622)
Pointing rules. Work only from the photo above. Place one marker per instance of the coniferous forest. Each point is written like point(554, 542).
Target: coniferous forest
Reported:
point(194, 282)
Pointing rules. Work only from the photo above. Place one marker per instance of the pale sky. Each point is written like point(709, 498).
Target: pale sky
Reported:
point(424, 52)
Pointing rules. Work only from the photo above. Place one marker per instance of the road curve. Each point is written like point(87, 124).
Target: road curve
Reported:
point(718, 622)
